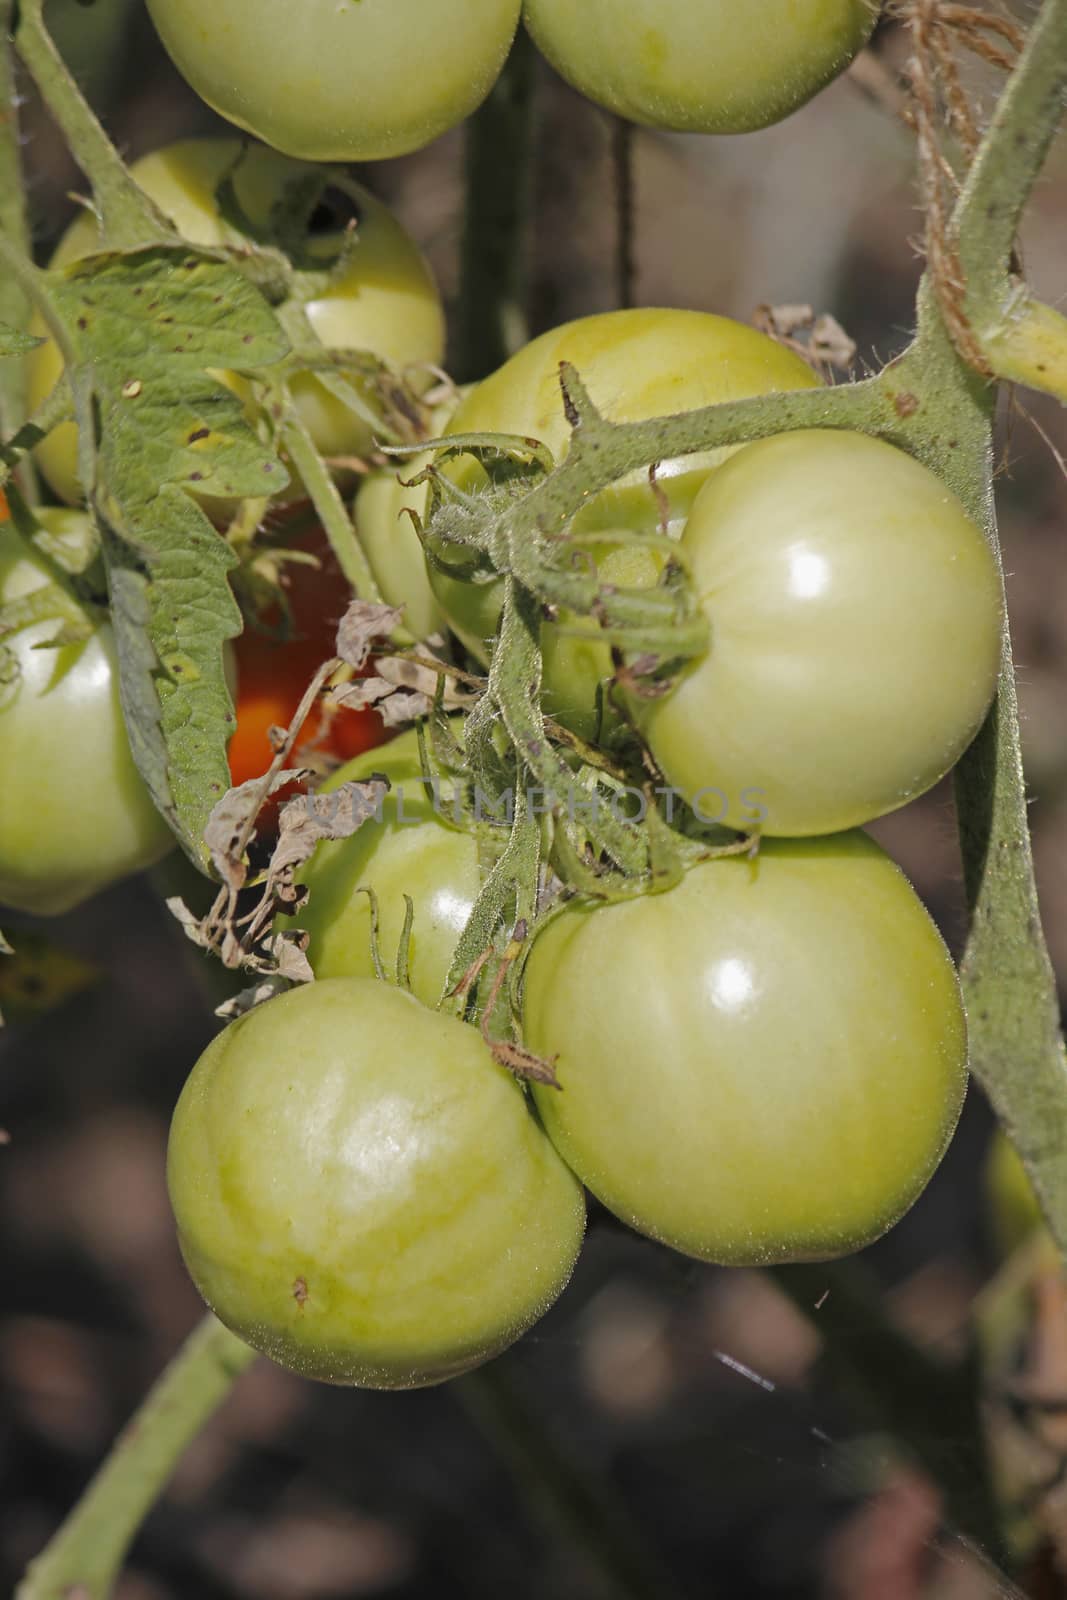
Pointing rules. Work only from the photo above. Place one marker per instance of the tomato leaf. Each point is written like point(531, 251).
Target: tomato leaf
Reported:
point(13, 342)
point(145, 328)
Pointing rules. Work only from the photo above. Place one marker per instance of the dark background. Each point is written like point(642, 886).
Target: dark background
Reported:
point(722, 1456)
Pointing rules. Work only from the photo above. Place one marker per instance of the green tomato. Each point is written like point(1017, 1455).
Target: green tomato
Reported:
point(1014, 1210)
point(636, 365)
point(340, 80)
point(389, 538)
point(385, 302)
point(75, 814)
point(700, 66)
point(362, 1193)
point(856, 616)
point(765, 1063)
point(411, 851)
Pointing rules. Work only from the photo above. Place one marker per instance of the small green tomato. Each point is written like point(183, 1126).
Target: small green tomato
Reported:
point(362, 1194)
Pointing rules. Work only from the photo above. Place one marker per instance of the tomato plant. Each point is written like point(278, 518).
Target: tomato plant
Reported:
point(385, 301)
point(855, 614)
point(700, 68)
point(635, 364)
point(340, 83)
point(390, 539)
point(764, 1063)
point(75, 814)
point(362, 1193)
point(415, 850)
point(274, 671)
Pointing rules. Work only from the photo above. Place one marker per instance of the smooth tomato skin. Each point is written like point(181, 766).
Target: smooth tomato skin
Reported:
point(635, 364)
point(700, 66)
point(75, 814)
point(363, 1194)
point(386, 302)
point(340, 82)
point(765, 1063)
point(856, 615)
point(412, 851)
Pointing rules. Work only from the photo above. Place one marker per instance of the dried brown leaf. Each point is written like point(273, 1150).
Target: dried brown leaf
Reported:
point(230, 819)
point(266, 989)
point(361, 625)
point(309, 818)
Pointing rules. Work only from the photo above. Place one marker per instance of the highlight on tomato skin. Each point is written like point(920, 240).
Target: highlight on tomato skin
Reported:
point(273, 673)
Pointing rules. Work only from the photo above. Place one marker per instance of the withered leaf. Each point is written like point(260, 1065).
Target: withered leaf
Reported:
point(361, 625)
point(309, 818)
point(230, 818)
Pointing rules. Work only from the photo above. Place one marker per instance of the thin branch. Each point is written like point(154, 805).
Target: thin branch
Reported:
point(84, 1557)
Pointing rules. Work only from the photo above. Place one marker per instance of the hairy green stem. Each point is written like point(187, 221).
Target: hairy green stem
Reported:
point(330, 507)
point(128, 218)
point(1010, 159)
point(14, 223)
point(84, 1557)
point(491, 319)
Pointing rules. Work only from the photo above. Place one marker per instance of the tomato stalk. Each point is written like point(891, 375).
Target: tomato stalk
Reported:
point(14, 222)
point(85, 1555)
point(128, 217)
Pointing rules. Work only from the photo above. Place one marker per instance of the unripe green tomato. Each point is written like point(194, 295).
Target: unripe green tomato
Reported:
point(1014, 1211)
point(75, 814)
point(386, 302)
point(700, 66)
point(389, 538)
point(362, 1193)
point(765, 1063)
point(411, 851)
point(855, 613)
point(340, 80)
point(636, 365)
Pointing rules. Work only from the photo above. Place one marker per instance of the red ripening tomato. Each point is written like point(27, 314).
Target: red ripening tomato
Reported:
point(273, 674)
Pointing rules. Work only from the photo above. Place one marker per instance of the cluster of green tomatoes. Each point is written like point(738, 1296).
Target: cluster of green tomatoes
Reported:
point(763, 1062)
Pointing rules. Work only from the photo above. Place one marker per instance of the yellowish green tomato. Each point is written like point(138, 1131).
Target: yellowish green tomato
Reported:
point(700, 66)
point(386, 302)
point(412, 851)
point(340, 80)
point(636, 365)
point(362, 1194)
point(855, 613)
point(765, 1063)
point(1014, 1211)
point(75, 814)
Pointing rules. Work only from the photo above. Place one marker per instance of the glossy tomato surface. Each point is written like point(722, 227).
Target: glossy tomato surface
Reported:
point(385, 301)
point(75, 814)
point(340, 80)
point(273, 672)
point(413, 850)
point(856, 616)
point(362, 1193)
point(636, 365)
point(700, 66)
point(764, 1063)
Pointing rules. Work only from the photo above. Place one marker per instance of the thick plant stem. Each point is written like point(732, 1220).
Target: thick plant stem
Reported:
point(128, 217)
point(14, 302)
point(570, 1501)
point(85, 1555)
point(491, 315)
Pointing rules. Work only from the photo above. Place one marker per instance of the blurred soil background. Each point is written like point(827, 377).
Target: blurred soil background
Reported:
point(696, 1410)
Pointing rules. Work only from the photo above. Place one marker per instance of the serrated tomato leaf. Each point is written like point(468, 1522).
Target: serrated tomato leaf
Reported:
point(13, 342)
point(148, 332)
